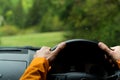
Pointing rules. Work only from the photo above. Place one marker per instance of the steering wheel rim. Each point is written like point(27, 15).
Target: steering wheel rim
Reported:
point(84, 46)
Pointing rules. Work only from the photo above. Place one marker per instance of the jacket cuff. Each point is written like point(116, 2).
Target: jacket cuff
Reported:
point(41, 62)
point(118, 63)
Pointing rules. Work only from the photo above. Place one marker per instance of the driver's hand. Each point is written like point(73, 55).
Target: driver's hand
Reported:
point(114, 52)
point(45, 52)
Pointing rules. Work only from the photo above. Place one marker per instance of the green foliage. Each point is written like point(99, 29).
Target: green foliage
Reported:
point(8, 30)
point(4, 6)
point(34, 14)
point(43, 15)
point(94, 20)
point(50, 23)
point(19, 15)
point(27, 4)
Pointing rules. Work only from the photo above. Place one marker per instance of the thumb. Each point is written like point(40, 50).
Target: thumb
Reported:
point(105, 48)
point(59, 47)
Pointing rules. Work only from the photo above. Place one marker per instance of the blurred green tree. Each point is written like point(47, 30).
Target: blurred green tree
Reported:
point(94, 20)
point(19, 15)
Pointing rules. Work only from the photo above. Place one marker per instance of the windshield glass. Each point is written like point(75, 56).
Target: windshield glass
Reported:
point(47, 22)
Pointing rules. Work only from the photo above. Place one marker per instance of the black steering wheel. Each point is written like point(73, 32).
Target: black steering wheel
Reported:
point(81, 60)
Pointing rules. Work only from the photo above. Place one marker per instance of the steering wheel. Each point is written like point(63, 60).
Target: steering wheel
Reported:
point(81, 59)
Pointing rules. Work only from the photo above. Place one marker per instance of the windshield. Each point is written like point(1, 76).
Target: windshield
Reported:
point(47, 22)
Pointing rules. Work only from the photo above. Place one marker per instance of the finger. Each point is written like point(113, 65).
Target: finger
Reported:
point(37, 51)
point(105, 56)
point(59, 48)
point(113, 48)
point(105, 47)
point(110, 60)
point(45, 47)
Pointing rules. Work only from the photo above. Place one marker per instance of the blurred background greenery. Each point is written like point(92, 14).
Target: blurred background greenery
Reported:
point(48, 22)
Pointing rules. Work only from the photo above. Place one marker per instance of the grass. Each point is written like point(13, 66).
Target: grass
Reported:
point(36, 40)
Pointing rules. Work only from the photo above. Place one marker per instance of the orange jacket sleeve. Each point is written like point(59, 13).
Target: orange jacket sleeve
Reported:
point(37, 70)
point(118, 62)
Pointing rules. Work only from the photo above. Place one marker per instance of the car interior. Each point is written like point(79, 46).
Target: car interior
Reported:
point(81, 59)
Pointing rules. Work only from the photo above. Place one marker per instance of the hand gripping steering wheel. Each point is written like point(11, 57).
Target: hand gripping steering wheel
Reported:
point(81, 60)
